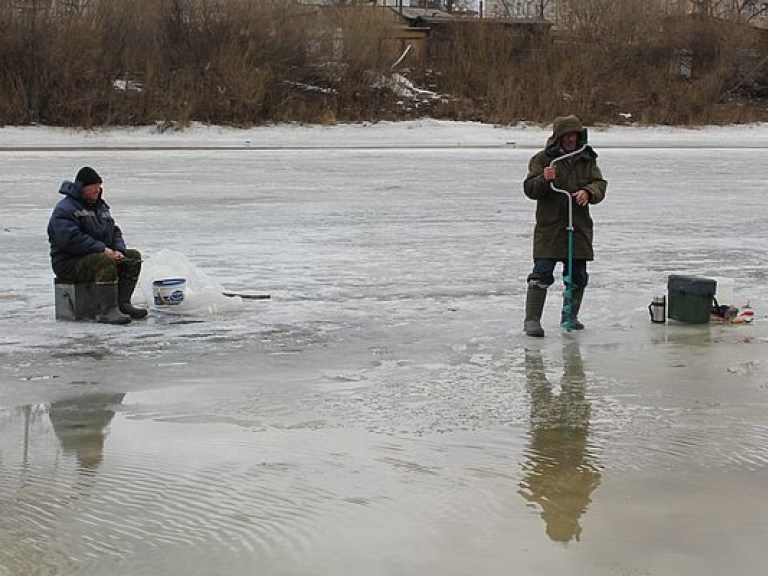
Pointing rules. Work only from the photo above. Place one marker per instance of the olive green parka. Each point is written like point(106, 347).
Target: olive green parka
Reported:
point(550, 238)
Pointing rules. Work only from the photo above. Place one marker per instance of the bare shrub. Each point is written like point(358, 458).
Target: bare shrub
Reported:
point(246, 62)
point(615, 59)
point(360, 60)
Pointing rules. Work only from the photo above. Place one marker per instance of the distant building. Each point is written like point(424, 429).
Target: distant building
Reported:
point(440, 29)
point(753, 12)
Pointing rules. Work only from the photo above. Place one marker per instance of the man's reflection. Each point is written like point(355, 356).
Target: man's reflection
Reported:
point(559, 473)
point(80, 424)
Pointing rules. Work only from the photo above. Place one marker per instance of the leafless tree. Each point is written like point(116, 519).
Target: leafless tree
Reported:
point(747, 10)
point(526, 8)
point(735, 10)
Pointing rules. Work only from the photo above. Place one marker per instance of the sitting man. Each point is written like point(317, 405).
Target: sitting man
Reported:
point(88, 247)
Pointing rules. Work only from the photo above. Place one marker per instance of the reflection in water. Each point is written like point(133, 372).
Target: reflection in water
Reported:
point(80, 424)
point(559, 473)
point(51, 516)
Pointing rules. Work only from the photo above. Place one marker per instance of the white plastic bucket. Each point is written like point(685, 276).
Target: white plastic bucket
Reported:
point(168, 291)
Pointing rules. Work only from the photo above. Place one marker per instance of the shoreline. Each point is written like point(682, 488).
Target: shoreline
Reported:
point(405, 135)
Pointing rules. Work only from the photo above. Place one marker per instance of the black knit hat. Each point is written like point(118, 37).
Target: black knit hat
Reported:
point(87, 176)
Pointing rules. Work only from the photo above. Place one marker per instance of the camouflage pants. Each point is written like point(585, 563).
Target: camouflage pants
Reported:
point(101, 268)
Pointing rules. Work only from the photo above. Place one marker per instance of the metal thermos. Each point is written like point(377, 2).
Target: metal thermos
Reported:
point(658, 309)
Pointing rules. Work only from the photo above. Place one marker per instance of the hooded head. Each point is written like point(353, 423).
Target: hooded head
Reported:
point(87, 176)
point(563, 125)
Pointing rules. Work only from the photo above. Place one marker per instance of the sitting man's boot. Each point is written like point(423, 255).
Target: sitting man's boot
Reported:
point(125, 288)
point(578, 295)
point(534, 307)
point(109, 312)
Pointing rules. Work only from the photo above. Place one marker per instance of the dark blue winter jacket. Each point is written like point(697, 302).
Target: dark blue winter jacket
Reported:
point(78, 228)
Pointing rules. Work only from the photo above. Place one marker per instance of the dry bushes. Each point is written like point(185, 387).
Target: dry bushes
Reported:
point(245, 62)
point(614, 61)
point(224, 62)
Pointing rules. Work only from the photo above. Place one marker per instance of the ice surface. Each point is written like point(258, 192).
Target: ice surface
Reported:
point(350, 236)
point(383, 413)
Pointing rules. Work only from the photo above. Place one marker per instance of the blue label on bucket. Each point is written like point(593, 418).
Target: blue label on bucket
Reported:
point(168, 291)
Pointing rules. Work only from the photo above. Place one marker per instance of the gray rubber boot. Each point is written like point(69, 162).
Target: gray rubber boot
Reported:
point(578, 296)
point(534, 307)
point(108, 310)
point(125, 288)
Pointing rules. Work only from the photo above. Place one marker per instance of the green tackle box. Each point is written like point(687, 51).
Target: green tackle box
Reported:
point(690, 298)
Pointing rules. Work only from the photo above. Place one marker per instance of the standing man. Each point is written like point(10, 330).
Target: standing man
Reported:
point(88, 247)
point(579, 175)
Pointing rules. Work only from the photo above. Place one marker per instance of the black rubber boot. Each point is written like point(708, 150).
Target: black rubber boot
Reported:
point(534, 307)
point(125, 288)
point(109, 313)
point(578, 295)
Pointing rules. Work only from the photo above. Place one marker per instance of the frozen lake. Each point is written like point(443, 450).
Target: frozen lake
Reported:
point(383, 413)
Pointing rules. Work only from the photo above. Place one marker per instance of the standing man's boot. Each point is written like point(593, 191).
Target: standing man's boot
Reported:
point(108, 312)
point(534, 307)
point(125, 288)
point(578, 295)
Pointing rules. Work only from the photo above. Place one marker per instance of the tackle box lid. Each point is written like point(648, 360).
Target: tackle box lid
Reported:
point(691, 285)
